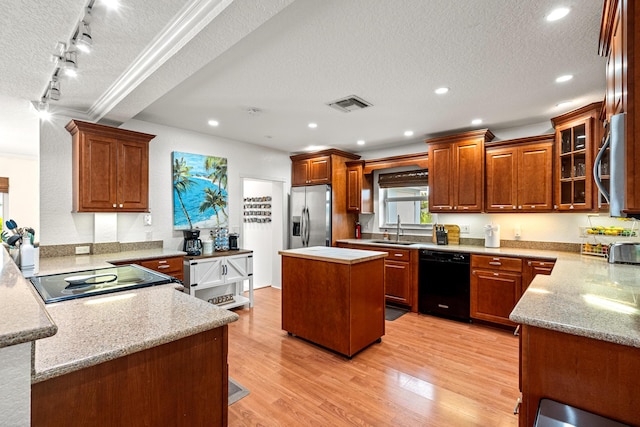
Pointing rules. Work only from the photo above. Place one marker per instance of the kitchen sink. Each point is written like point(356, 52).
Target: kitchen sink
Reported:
point(392, 242)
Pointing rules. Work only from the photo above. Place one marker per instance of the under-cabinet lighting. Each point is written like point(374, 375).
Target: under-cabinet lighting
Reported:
point(558, 13)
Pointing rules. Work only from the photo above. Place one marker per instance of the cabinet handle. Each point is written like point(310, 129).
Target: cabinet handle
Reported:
point(520, 207)
point(161, 267)
point(120, 204)
point(397, 255)
point(529, 263)
point(194, 285)
point(114, 205)
point(517, 408)
point(495, 263)
point(496, 274)
point(162, 262)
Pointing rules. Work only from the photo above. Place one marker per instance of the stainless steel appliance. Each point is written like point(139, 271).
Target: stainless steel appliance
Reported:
point(443, 284)
point(624, 253)
point(88, 283)
point(310, 216)
point(192, 244)
point(615, 143)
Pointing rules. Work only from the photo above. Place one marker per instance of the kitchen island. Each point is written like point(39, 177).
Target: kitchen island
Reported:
point(334, 297)
point(147, 356)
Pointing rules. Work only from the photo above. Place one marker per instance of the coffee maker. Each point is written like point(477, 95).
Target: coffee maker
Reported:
point(233, 241)
point(192, 244)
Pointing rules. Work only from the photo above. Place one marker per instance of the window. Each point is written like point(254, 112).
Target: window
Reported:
point(405, 194)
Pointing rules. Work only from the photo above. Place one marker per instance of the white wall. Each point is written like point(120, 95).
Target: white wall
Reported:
point(265, 239)
point(60, 226)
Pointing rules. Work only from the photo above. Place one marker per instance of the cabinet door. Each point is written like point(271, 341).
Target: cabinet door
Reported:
point(469, 176)
point(494, 294)
point(133, 176)
point(532, 268)
point(97, 174)
point(354, 188)
point(207, 273)
point(320, 170)
point(238, 267)
point(535, 171)
point(300, 172)
point(575, 145)
point(398, 282)
point(440, 178)
point(502, 182)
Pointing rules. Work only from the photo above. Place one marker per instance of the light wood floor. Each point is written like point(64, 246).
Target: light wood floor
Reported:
point(427, 371)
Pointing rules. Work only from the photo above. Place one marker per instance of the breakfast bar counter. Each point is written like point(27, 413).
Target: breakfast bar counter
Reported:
point(334, 297)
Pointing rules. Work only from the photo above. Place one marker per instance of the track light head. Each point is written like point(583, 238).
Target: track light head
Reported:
point(83, 40)
point(68, 63)
point(53, 93)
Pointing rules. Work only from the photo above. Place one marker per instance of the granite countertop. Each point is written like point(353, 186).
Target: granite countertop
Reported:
point(74, 334)
point(216, 254)
point(333, 254)
point(66, 264)
point(101, 328)
point(23, 317)
point(584, 295)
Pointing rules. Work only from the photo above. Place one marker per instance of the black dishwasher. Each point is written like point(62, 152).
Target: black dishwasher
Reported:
point(443, 285)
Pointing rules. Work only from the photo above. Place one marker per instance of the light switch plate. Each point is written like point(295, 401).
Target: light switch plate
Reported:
point(147, 219)
point(465, 228)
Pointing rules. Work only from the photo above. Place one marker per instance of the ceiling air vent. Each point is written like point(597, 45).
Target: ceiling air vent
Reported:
point(350, 103)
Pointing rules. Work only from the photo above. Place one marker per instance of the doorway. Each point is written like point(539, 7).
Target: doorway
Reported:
point(263, 224)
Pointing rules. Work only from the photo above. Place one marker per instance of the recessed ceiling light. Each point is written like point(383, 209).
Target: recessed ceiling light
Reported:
point(564, 104)
point(558, 13)
point(564, 78)
point(213, 123)
point(313, 125)
point(408, 133)
point(442, 90)
point(476, 121)
point(360, 142)
point(111, 4)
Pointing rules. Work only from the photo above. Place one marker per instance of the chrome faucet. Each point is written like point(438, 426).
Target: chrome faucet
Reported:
point(398, 230)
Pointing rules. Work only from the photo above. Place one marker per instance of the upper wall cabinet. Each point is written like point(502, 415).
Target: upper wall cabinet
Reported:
point(456, 172)
point(578, 134)
point(311, 171)
point(110, 168)
point(519, 175)
point(359, 188)
point(620, 43)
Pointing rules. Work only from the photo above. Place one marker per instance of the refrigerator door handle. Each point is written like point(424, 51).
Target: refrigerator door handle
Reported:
point(308, 229)
point(303, 226)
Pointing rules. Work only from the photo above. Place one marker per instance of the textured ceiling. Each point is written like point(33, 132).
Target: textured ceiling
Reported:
point(218, 59)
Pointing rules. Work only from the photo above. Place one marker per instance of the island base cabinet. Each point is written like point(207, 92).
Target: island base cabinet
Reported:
point(338, 306)
point(596, 376)
point(181, 383)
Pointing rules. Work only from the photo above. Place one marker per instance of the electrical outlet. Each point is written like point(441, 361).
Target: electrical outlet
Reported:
point(464, 228)
point(80, 250)
point(147, 219)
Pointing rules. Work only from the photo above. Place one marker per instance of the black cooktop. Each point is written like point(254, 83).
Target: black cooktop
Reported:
point(87, 283)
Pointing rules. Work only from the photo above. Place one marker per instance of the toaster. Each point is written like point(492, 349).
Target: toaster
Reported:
point(624, 253)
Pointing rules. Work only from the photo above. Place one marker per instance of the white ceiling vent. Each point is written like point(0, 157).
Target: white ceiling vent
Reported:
point(348, 104)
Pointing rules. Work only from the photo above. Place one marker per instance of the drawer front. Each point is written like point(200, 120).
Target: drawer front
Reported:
point(164, 265)
point(496, 263)
point(395, 254)
point(542, 267)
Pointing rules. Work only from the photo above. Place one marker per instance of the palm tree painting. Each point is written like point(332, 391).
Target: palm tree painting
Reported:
point(200, 196)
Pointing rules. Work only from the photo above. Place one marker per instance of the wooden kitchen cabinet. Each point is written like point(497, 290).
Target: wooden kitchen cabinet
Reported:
point(319, 165)
point(110, 168)
point(519, 175)
point(620, 43)
point(456, 172)
point(171, 266)
point(359, 188)
point(401, 274)
point(532, 267)
point(577, 133)
point(496, 286)
point(316, 170)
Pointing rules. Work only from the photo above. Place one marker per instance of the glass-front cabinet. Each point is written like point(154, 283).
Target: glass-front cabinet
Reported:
point(577, 135)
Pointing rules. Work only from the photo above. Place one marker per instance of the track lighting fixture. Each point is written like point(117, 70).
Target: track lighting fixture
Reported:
point(54, 90)
point(68, 63)
point(83, 40)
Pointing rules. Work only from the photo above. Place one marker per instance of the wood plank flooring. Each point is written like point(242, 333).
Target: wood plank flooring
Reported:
point(427, 371)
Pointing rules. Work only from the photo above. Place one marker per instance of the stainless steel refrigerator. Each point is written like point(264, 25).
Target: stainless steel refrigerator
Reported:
point(310, 216)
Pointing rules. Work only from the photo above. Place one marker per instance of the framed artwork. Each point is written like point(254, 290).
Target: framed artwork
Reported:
point(199, 191)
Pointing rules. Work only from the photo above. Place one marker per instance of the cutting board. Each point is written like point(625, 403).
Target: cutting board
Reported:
point(453, 231)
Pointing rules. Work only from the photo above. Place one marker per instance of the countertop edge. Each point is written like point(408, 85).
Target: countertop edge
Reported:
point(372, 255)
